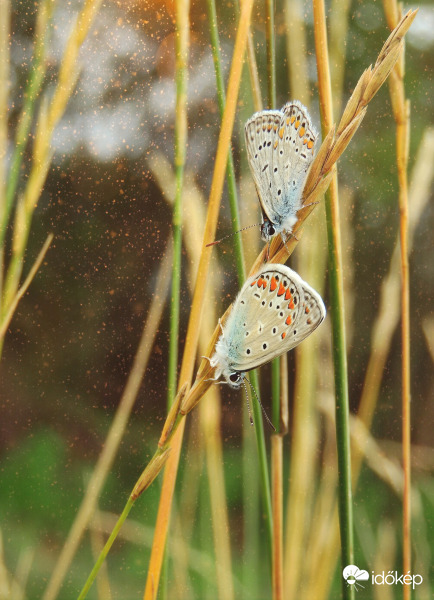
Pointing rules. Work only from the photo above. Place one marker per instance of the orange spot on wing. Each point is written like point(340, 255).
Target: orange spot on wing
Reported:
point(283, 336)
point(310, 144)
point(273, 284)
point(288, 294)
point(282, 289)
point(262, 283)
point(281, 132)
point(301, 132)
point(304, 141)
point(307, 310)
point(297, 124)
point(288, 320)
point(275, 144)
point(292, 119)
point(287, 121)
point(269, 126)
point(253, 283)
point(291, 305)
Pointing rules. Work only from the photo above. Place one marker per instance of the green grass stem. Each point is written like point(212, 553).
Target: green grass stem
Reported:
point(337, 304)
point(181, 77)
point(101, 558)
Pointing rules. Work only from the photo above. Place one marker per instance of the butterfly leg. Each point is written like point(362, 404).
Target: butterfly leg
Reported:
point(267, 252)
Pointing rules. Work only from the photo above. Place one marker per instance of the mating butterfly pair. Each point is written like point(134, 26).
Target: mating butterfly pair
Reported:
point(275, 309)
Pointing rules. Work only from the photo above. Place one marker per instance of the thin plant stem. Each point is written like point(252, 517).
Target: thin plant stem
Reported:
point(296, 50)
point(36, 77)
point(116, 432)
point(5, 19)
point(401, 113)
point(337, 303)
point(253, 67)
point(276, 440)
point(181, 77)
point(338, 31)
point(230, 170)
point(25, 286)
point(101, 558)
point(271, 88)
point(275, 393)
point(199, 295)
point(277, 499)
point(271, 53)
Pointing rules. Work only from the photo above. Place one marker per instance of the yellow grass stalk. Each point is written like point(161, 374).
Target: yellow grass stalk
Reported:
point(4, 324)
point(193, 330)
point(49, 116)
point(401, 113)
point(4, 95)
point(254, 76)
point(116, 433)
point(339, 20)
point(296, 50)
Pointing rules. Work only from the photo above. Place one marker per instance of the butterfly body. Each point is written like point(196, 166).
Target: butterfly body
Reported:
point(280, 148)
point(274, 311)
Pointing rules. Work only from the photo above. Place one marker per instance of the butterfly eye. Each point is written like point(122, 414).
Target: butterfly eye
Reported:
point(234, 377)
point(271, 230)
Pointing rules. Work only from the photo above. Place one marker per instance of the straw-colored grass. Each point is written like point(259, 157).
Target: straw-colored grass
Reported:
point(401, 113)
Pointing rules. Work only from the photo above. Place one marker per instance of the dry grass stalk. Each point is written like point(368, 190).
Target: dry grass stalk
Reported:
point(320, 175)
point(401, 113)
point(24, 287)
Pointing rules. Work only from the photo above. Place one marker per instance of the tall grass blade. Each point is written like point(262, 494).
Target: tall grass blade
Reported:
point(337, 304)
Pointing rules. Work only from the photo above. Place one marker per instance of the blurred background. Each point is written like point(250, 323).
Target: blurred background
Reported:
point(71, 343)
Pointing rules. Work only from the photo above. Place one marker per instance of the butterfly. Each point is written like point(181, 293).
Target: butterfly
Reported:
point(280, 148)
point(274, 311)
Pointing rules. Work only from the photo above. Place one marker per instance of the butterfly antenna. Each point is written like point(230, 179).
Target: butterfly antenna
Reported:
point(260, 404)
point(247, 401)
point(231, 234)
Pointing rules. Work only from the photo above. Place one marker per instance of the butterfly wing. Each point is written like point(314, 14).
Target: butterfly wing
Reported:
point(273, 313)
point(280, 149)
